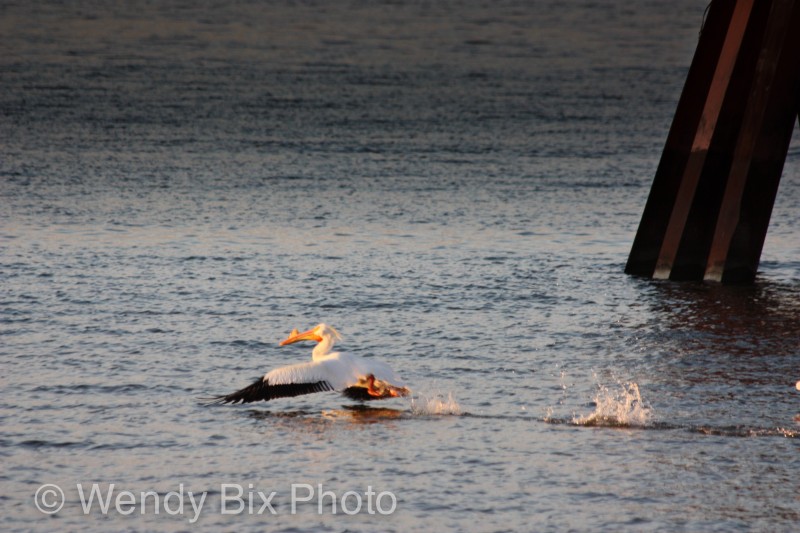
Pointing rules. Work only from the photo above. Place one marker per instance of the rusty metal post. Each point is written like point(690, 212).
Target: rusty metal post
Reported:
point(712, 196)
point(760, 151)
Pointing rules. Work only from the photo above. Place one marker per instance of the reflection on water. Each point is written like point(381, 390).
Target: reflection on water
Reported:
point(367, 413)
point(422, 405)
point(354, 415)
point(728, 336)
point(763, 319)
point(728, 355)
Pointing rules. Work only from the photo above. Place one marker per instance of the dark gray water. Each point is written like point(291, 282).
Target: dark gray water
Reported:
point(455, 187)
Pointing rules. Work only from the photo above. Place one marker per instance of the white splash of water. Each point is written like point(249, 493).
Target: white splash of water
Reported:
point(435, 404)
point(623, 407)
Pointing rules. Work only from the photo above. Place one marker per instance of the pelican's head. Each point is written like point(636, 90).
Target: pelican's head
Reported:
point(320, 333)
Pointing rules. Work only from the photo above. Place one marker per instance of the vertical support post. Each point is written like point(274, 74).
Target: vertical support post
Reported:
point(664, 191)
point(711, 199)
point(702, 138)
point(760, 151)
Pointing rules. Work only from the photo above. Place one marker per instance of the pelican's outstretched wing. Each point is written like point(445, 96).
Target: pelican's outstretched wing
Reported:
point(356, 378)
point(294, 380)
point(264, 390)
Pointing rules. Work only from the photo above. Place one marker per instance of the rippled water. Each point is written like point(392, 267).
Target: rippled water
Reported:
point(455, 187)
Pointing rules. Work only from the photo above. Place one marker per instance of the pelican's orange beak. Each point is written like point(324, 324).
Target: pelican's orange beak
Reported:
point(294, 336)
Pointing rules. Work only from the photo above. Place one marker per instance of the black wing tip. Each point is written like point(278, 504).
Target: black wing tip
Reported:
point(246, 395)
point(262, 390)
point(223, 400)
point(212, 400)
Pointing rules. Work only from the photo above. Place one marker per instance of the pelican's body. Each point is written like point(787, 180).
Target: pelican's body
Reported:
point(355, 377)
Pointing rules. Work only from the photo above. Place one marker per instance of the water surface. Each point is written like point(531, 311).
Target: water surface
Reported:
point(455, 187)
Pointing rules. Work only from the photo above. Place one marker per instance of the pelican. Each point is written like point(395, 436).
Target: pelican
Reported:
point(355, 377)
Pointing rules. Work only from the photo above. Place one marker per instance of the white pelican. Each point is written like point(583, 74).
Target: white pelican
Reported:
point(355, 377)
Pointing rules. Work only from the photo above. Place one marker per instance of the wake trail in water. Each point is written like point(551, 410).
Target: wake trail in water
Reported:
point(435, 404)
point(614, 407)
point(623, 407)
